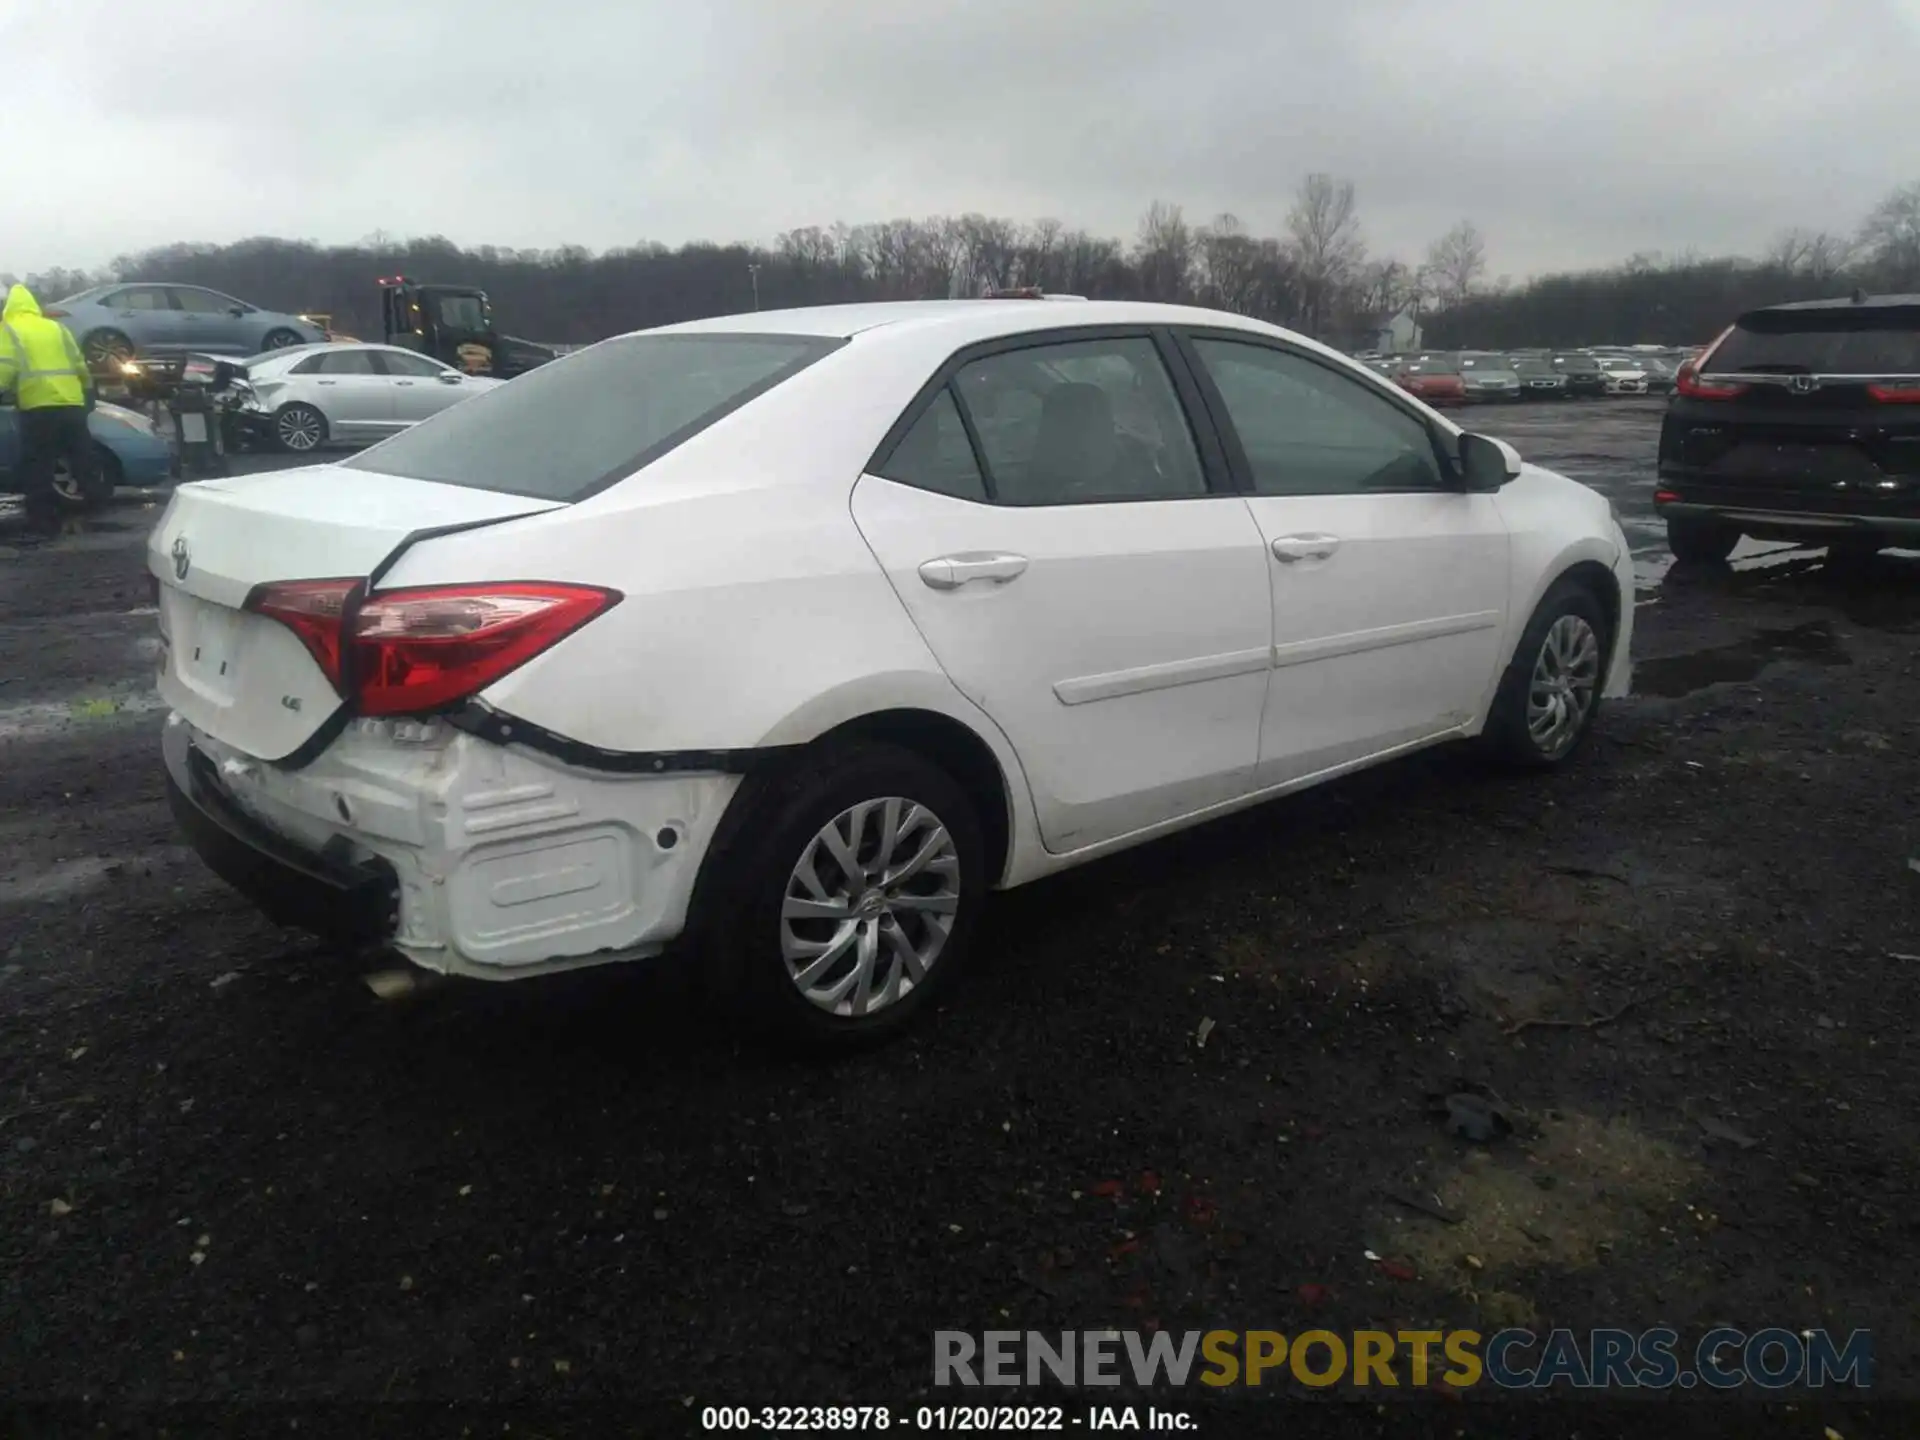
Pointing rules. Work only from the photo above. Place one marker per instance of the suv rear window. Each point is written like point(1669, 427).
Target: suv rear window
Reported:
point(575, 425)
point(1883, 341)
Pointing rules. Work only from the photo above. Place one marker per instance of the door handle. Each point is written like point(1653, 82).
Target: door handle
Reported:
point(1291, 548)
point(950, 572)
point(326, 382)
point(403, 382)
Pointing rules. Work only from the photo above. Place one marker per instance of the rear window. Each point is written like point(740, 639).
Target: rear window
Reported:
point(1885, 342)
point(575, 425)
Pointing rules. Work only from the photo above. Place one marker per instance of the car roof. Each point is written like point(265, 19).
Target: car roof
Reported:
point(1844, 302)
point(969, 320)
point(316, 346)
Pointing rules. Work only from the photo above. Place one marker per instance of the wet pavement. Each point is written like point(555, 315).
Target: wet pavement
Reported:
point(229, 1174)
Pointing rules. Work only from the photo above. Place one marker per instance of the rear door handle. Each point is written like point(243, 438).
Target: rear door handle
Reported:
point(1289, 549)
point(950, 572)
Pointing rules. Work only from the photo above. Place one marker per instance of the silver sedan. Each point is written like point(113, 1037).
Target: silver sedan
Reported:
point(346, 393)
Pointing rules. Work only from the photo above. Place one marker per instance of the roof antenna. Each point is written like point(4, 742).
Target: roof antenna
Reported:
point(1860, 296)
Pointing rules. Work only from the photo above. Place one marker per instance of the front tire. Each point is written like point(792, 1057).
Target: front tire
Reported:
point(299, 429)
point(1700, 542)
point(1550, 695)
point(845, 902)
point(279, 339)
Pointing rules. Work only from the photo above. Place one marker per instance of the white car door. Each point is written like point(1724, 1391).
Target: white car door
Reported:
point(355, 397)
point(1389, 580)
point(420, 386)
point(1081, 575)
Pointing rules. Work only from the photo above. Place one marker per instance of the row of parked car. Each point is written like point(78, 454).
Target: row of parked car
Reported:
point(1455, 377)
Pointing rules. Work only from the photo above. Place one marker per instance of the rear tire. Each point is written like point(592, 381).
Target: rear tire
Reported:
point(74, 498)
point(106, 349)
point(299, 429)
point(787, 930)
point(1701, 542)
point(1549, 696)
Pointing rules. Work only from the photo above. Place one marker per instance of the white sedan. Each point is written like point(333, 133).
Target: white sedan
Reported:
point(788, 636)
point(308, 396)
point(1625, 377)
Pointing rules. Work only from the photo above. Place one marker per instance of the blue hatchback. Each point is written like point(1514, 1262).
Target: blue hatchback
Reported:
point(126, 451)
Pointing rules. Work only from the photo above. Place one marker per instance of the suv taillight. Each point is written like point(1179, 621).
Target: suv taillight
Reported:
point(413, 651)
point(1906, 392)
point(1689, 383)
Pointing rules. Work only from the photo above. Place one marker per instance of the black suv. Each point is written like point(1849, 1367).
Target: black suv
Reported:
point(1801, 422)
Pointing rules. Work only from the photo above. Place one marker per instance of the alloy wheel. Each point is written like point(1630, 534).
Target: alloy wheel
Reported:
point(298, 429)
point(869, 906)
point(1566, 678)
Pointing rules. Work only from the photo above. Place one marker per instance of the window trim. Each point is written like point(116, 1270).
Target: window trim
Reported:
point(1208, 450)
point(381, 354)
point(967, 433)
point(226, 307)
point(1452, 474)
point(112, 301)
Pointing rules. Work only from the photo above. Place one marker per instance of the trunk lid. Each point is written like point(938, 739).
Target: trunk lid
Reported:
point(247, 680)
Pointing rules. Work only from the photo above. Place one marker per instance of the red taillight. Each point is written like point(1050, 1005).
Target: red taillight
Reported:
point(312, 610)
point(418, 650)
point(54, 312)
point(1907, 392)
point(1665, 497)
point(1689, 383)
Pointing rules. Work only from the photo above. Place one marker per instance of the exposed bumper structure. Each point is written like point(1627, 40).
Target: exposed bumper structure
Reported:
point(466, 857)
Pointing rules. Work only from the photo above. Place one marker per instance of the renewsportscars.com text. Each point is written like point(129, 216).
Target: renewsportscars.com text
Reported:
point(1605, 1359)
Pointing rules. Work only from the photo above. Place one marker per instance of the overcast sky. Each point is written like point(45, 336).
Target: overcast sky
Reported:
point(1572, 131)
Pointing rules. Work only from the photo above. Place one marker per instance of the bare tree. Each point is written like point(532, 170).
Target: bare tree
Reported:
point(1327, 246)
point(1891, 237)
point(1456, 261)
point(1164, 253)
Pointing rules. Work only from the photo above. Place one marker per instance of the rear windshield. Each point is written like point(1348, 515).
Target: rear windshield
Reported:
point(1885, 342)
point(576, 424)
point(1585, 364)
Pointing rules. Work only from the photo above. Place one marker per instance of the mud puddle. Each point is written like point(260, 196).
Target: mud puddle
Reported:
point(1675, 675)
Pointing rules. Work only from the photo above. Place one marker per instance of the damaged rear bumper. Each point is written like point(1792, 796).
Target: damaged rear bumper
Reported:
point(467, 857)
point(352, 902)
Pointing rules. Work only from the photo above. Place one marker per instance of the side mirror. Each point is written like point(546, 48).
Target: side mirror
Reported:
point(236, 311)
point(1486, 464)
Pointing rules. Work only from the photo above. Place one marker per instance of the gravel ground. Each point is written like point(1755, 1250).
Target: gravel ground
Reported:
point(229, 1175)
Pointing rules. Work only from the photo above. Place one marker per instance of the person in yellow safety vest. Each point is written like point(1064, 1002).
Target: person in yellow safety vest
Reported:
point(44, 371)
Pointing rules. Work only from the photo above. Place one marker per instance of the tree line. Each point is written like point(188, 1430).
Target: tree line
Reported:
point(1317, 276)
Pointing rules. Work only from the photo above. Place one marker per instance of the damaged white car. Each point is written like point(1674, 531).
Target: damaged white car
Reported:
point(788, 636)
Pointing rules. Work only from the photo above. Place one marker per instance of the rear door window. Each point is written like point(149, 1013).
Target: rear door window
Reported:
point(577, 424)
point(1817, 345)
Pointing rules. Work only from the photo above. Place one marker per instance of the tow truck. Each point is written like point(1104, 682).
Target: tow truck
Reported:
point(454, 324)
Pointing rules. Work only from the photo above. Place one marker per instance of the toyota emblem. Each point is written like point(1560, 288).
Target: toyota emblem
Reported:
point(182, 558)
